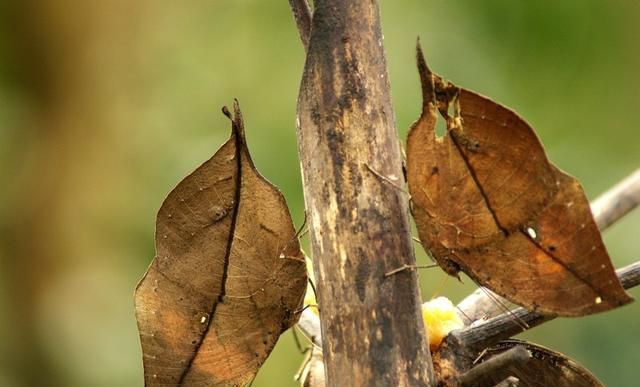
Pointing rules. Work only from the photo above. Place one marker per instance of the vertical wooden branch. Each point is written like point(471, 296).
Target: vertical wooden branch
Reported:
point(302, 15)
point(371, 324)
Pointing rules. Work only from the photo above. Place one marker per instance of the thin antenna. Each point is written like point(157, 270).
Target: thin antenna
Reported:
point(504, 308)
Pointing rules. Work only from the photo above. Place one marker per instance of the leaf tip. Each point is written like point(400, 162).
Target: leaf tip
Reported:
point(426, 77)
point(237, 124)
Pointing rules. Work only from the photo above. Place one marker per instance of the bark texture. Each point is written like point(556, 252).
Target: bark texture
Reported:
point(351, 165)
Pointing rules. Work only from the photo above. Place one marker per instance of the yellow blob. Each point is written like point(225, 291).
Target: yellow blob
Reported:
point(440, 317)
point(310, 296)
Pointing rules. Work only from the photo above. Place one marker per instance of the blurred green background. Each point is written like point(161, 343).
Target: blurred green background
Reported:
point(105, 106)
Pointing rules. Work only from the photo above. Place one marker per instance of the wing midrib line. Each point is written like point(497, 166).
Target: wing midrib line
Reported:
point(239, 143)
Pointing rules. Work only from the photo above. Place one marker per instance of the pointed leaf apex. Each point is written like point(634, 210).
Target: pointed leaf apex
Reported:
point(426, 78)
point(237, 123)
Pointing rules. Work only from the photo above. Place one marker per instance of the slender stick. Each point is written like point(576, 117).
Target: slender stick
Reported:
point(607, 209)
point(618, 201)
point(481, 304)
point(516, 355)
point(302, 14)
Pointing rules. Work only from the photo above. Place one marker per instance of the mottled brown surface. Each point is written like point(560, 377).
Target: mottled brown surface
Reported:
point(545, 368)
point(228, 276)
point(371, 326)
point(487, 201)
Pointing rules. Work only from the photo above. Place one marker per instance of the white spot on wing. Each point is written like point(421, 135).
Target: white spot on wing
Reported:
point(532, 233)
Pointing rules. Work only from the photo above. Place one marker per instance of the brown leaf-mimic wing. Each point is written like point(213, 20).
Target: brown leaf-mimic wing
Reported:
point(227, 278)
point(545, 368)
point(487, 201)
